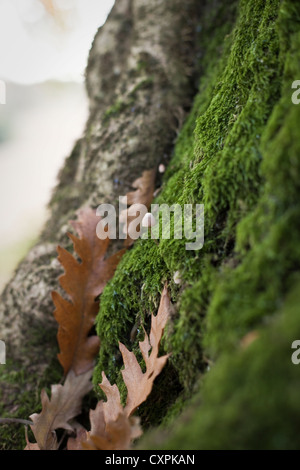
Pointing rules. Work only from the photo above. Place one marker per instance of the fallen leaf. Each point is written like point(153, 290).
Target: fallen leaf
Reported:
point(119, 435)
point(142, 196)
point(29, 445)
point(139, 384)
point(248, 339)
point(83, 281)
point(75, 443)
point(112, 426)
point(144, 189)
point(64, 405)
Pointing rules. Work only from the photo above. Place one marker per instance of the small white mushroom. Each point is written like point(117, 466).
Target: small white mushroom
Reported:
point(148, 220)
point(161, 168)
point(177, 278)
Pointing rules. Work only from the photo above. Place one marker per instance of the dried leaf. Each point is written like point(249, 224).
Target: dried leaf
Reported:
point(249, 339)
point(144, 189)
point(139, 384)
point(64, 405)
point(112, 408)
point(112, 426)
point(143, 195)
point(119, 435)
point(29, 445)
point(75, 443)
point(83, 282)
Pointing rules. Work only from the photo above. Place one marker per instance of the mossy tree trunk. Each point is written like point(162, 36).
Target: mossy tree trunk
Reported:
point(140, 83)
point(236, 311)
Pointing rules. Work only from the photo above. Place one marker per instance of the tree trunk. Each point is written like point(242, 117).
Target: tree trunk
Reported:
point(236, 307)
point(140, 82)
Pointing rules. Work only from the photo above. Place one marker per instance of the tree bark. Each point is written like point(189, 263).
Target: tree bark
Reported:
point(140, 83)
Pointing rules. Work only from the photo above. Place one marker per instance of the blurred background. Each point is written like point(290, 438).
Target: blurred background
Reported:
point(44, 46)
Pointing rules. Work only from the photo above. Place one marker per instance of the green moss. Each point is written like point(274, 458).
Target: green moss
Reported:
point(23, 399)
point(250, 399)
point(134, 291)
point(267, 246)
point(121, 105)
point(143, 84)
point(120, 312)
point(236, 153)
point(118, 107)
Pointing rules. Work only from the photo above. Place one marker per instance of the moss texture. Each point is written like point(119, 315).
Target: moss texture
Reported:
point(21, 400)
point(249, 400)
point(238, 154)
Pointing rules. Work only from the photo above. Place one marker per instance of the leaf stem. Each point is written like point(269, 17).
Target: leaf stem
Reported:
point(15, 421)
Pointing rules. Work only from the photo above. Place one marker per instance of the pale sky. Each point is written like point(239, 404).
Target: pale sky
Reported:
point(35, 46)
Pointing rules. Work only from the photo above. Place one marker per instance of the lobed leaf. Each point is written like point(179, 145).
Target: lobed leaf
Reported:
point(142, 196)
point(57, 412)
point(112, 426)
point(83, 281)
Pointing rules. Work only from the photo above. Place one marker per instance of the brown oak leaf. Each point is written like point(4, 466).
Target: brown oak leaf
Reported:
point(57, 412)
point(83, 281)
point(142, 196)
point(139, 384)
point(29, 445)
point(112, 426)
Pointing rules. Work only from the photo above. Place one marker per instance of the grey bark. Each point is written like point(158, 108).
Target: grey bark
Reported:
point(140, 83)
